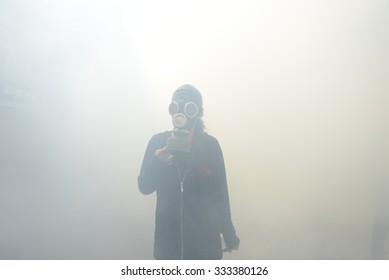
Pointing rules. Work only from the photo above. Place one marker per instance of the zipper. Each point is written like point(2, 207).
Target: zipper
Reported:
point(182, 179)
point(182, 226)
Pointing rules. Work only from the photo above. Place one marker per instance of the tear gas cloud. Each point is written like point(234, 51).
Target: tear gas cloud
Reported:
point(296, 92)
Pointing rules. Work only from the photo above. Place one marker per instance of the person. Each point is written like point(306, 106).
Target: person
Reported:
point(185, 167)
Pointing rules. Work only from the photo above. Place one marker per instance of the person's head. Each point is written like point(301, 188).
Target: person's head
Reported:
point(186, 107)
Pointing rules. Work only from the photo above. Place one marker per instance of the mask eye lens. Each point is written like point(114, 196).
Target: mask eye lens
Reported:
point(173, 108)
point(191, 109)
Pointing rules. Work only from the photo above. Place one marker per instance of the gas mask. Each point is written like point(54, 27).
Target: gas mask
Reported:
point(184, 116)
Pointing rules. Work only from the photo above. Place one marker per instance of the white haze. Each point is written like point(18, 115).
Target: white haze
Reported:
point(294, 91)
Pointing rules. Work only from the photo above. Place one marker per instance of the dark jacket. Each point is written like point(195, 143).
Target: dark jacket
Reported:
point(205, 209)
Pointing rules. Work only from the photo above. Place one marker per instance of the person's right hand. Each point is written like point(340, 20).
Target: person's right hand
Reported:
point(164, 155)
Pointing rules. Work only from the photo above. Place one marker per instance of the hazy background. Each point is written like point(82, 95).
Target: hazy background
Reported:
point(295, 91)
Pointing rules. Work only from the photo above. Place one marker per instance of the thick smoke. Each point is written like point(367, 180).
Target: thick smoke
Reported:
point(296, 93)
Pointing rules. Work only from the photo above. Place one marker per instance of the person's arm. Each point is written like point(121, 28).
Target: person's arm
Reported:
point(222, 199)
point(153, 166)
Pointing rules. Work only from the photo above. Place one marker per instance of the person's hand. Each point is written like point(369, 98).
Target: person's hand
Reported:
point(229, 250)
point(164, 155)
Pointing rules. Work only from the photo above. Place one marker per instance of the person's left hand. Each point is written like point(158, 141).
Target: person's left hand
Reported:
point(229, 250)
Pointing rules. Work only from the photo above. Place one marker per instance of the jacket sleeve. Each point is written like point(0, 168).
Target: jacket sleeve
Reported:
point(151, 168)
point(222, 200)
